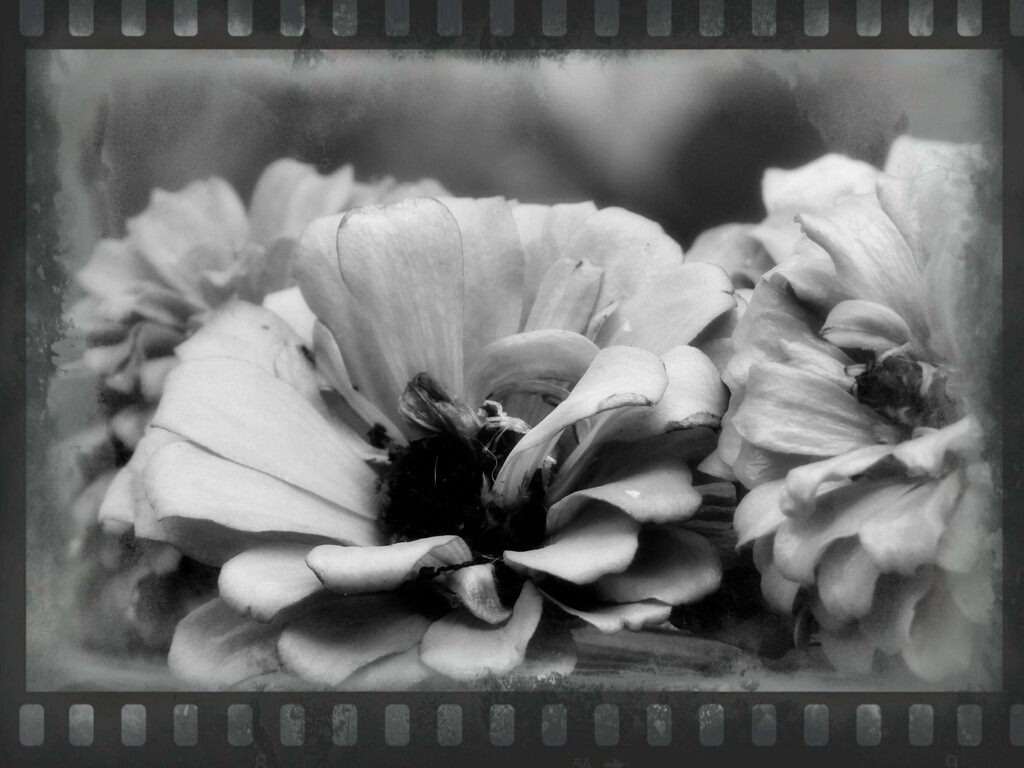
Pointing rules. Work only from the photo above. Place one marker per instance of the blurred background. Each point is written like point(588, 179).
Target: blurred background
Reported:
point(680, 137)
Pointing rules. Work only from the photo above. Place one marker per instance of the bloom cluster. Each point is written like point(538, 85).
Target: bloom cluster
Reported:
point(406, 434)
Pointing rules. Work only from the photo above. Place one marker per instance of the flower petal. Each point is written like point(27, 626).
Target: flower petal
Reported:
point(126, 502)
point(618, 376)
point(672, 565)
point(244, 414)
point(205, 213)
point(670, 309)
point(627, 246)
point(849, 651)
point(816, 185)
point(404, 264)
point(566, 297)
point(289, 305)
point(512, 363)
point(465, 648)
point(475, 587)
point(799, 543)
point(319, 277)
point(240, 330)
point(790, 411)
point(962, 542)
point(888, 624)
point(214, 647)
point(396, 672)
point(941, 638)
point(601, 540)
point(359, 570)
point(289, 194)
point(213, 508)
point(340, 635)
point(926, 453)
point(846, 580)
point(734, 248)
point(872, 259)
point(902, 536)
point(493, 264)
point(859, 324)
point(617, 616)
point(263, 581)
point(544, 230)
point(656, 492)
point(759, 513)
point(802, 483)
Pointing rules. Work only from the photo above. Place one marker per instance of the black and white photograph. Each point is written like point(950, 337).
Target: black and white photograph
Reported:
point(453, 371)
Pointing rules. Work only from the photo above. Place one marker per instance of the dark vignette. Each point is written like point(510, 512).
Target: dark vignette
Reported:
point(23, 380)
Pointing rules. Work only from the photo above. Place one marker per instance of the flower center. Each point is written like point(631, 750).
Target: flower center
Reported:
point(441, 483)
point(908, 392)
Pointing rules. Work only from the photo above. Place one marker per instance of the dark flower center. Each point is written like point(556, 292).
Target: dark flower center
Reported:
point(441, 483)
point(908, 392)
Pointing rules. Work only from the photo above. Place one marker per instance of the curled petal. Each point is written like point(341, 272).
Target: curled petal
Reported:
point(340, 635)
point(263, 581)
point(790, 411)
point(359, 570)
point(672, 565)
point(888, 624)
point(599, 541)
point(214, 647)
point(546, 355)
point(759, 513)
point(475, 587)
point(465, 648)
point(926, 453)
point(734, 248)
point(803, 482)
point(859, 324)
point(618, 376)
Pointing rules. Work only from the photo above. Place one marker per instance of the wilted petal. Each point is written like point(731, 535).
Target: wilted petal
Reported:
point(846, 580)
point(404, 265)
point(566, 297)
point(213, 508)
point(290, 194)
point(759, 513)
point(872, 259)
point(204, 213)
point(244, 414)
point(601, 540)
point(359, 570)
point(493, 265)
point(657, 492)
point(799, 543)
point(670, 309)
point(859, 324)
point(790, 411)
point(535, 357)
point(627, 246)
point(672, 565)
point(903, 535)
point(617, 616)
point(264, 580)
point(475, 587)
point(543, 231)
point(214, 647)
point(618, 376)
point(803, 482)
point(340, 635)
point(465, 648)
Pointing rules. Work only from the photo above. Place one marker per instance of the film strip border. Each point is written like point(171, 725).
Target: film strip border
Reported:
point(504, 725)
point(538, 21)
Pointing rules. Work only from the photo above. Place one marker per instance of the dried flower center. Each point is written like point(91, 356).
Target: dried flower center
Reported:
point(441, 483)
point(908, 392)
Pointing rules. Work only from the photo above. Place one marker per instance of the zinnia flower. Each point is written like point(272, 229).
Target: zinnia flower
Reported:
point(499, 404)
point(856, 419)
point(187, 253)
